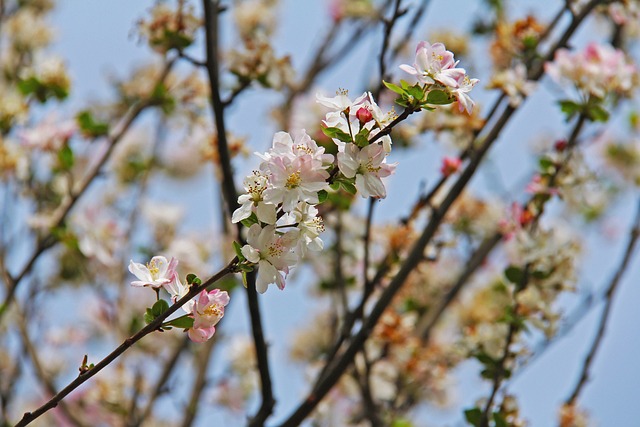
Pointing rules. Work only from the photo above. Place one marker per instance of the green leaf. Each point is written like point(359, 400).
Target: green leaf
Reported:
point(245, 268)
point(238, 249)
point(499, 420)
point(65, 158)
point(546, 164)
point(30, 86)
point(183, 322)
point(333, 132)
point(570, 108)
point(473, 416)
point(597, 114)
point(394, 88)
point(335, 186)
point(361, 140)
point(416, 91)
point(438, 97)
point(349, 187)
point(191, 277)
point(514, 274)
point(177, 40)
point(322, 196)
point(148, 316)
point(401, 422)
point(89, 126)
point(252, 219)
point(159, 307)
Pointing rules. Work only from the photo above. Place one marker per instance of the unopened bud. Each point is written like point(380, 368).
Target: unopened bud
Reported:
point(364, 115)
point(450, 165)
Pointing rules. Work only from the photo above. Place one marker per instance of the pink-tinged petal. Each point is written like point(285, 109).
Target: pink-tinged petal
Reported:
point(374, 186)
point(250, 253)
point(266, 275)
point(140, 271)
point(409, 69)
point(201, 335)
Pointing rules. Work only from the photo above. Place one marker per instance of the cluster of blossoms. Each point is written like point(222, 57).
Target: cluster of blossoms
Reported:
point(283, 193)
point(598, 70)
point(168, 29)
point(435, 65)
point(206, 309)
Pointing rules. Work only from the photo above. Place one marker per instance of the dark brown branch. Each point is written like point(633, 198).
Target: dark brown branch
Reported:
point(151, 327)
point(230, 197)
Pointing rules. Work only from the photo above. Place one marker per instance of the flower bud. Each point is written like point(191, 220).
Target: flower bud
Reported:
point(364, 115)
point(450, 165)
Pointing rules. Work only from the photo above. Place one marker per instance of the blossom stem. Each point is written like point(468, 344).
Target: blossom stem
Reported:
point(155, 325)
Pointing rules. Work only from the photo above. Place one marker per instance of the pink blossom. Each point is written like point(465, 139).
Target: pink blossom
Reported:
point(464, 86)
point(48, 135)
point(207, 312)
point(434, 63)
point(294, 180)
point(597, 70)
point(368, 166)
point(253, 201)
point(157, 273)
point(539, 186)
point(272, 252)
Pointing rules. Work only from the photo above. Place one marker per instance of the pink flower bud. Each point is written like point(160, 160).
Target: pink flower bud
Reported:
point(560, 145)
point(450, 165)
point(364, 115)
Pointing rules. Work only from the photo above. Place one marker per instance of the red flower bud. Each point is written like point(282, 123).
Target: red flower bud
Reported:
point(364, 115)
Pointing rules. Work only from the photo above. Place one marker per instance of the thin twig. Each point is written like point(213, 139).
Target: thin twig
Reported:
point(151, 327)
point(604, 318)
point(64, 209)
point(203, 357)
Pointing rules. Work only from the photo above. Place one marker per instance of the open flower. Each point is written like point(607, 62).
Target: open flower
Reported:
point(157, 273)
point(255, 185)
point(434, 63)
point(368, 166)
point(295, 180)
point(207, 312)
point(272, 252)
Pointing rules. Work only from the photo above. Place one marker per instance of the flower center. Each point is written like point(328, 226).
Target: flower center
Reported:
point(213, 310)
point(293, 180)
point(153, 270)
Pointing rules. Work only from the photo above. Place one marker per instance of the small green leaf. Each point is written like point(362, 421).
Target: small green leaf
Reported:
point(148, 316)
point(514, 274)
point(191, 277)
point(89, 126)
point(337, 133)
point(349, 187)
point(335, 186)
point(252, 219)
point(499, 420)
point(597, 114)
point(394, 88)
point(238, 249)
point(416, 91)
point(322, 196)
point(65, 158)
point(570, 108)
point(361, 140)
point(546, 165)
point(438, 97)
point(159, 307)
point(473, 416)
point(401, 422)
point(183, 322)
